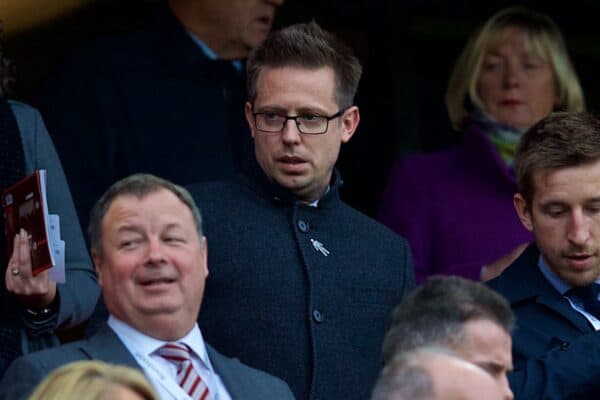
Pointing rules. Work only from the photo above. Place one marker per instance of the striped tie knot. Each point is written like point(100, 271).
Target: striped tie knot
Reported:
point(179, 355)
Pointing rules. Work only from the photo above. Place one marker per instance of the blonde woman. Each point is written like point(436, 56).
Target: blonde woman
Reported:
point(455, 206)
point(94, 380)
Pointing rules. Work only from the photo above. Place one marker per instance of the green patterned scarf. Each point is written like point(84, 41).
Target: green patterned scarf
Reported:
point(503, 136)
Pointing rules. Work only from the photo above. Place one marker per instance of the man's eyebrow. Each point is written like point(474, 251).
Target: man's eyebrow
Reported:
point(128, 228)
point(270, 109)
point(553, 203)
point(492, 367)
point(173, 225)
point(299, 111)
point(312, 110)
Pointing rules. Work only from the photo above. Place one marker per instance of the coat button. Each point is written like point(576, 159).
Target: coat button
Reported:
point(317, 316)
point(564, 346)
point(303, 226)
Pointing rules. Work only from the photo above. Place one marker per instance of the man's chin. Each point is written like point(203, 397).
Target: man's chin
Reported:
point(160, 308)
point(581, 278)
point(292, 182)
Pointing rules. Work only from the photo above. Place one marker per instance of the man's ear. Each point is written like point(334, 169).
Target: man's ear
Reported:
point(97, 258)
point(204, 259)
point(350, 120)
point(523, 211)
point(249, 117)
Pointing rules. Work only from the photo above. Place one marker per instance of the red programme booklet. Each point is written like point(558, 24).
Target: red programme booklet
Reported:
point(24, 205)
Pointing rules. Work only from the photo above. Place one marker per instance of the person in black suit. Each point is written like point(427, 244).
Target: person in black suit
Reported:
point(552, 286)
point(150, 257)
point(166, 98)
point(35, 310)
point(307, 280)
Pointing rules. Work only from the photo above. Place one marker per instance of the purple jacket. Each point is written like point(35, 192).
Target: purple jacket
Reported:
point(455, 208)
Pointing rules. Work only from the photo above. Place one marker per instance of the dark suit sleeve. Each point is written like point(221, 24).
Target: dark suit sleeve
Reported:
point(409, 269)
point(80, 106)
point(22, 378)
point(244, 382)
point(567, 372)
point(79, 294)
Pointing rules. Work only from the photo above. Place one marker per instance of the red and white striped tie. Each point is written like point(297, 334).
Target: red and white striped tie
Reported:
point(187, 377)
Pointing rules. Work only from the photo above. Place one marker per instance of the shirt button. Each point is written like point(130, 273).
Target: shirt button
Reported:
point(317, 316)
point(303, 226)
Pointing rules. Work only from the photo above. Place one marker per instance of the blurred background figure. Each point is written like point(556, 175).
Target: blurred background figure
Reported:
point(455, 206)
point(94, 380)
point(433, 374)
point(461, 316)
point(34, 307)
point(166, 98)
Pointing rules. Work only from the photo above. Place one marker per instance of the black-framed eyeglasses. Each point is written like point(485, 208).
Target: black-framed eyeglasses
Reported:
point(271, 122)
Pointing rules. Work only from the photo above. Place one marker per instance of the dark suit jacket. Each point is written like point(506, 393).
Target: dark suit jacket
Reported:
point(556, 351)
point(315, 320)
point(241, 381)
point(145, 101)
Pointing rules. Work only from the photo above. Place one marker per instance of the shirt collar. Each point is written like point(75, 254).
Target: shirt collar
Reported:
point(210, 53)
point(557, 283)
point(561, 286)
point(316, 202)
point(147, 345)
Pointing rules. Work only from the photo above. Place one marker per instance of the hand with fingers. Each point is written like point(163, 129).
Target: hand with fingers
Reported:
point(35, 292)
point(492, 270)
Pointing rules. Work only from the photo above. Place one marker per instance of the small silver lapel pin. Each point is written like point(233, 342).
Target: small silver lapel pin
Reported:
point(319, 247)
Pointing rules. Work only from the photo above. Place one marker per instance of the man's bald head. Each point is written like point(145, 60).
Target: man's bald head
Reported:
point(433, 373)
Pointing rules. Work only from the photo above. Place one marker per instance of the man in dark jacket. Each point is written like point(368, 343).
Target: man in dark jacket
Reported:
point(551, 286)
point(166, 98)
point(301, 284)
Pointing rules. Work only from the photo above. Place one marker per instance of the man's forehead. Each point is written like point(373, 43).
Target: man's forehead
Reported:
point(554, 180)
point(295, 88)
point(161, 202)
point(485, 341)
point(484, 328)
point(287, 72)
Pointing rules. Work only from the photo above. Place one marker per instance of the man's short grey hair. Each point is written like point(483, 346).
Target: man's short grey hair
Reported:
point(435, 313)
point(138, 185)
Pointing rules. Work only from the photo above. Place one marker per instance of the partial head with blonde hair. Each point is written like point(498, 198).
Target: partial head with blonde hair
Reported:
point(93, 380)
point(543, 39)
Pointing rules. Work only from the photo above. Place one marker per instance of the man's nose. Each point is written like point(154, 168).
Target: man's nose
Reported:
point(290, 133)
point(507, 393)
point(155, 250)
point(578, 228)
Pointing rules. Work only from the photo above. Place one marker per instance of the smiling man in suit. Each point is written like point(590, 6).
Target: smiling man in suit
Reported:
point(150, 256)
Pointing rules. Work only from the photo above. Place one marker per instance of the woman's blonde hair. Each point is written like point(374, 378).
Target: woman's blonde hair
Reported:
point(543, 39)
point(91, 380)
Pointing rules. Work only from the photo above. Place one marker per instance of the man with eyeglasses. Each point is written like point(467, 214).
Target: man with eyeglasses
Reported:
point(301, 284)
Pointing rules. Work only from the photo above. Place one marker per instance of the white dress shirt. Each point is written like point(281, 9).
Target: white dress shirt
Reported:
point(162, 373)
